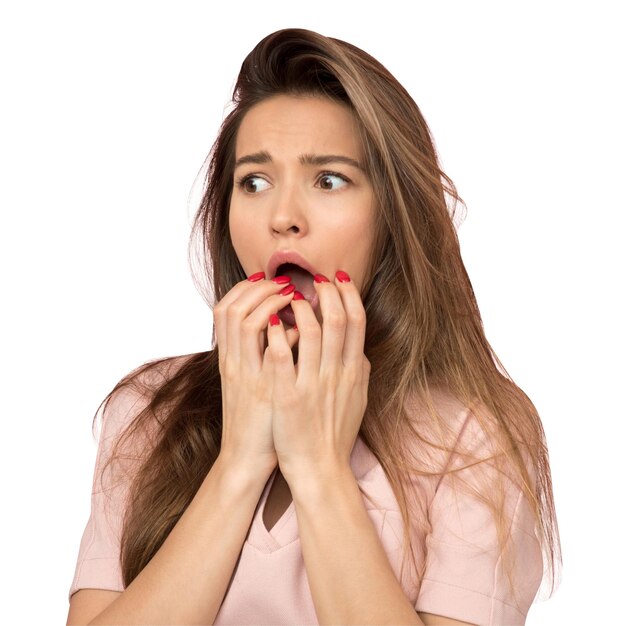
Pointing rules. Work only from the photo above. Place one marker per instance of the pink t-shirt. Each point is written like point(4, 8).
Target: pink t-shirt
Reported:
point(463, 577)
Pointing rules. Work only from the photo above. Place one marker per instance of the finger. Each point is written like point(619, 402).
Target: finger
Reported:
point(292, 336)
point(242, 333)
point(354, 342)
point(334, 322)
point(221, 308)
point(235, 306)
point(280, 350)
point(253, 327)
point(310, 341)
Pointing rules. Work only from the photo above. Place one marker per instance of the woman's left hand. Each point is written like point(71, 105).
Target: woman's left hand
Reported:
point(319, 403)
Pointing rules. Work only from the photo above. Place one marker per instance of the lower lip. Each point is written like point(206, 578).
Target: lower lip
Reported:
point(287, 315)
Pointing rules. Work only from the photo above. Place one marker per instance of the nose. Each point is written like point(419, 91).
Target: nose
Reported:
point(288, 215)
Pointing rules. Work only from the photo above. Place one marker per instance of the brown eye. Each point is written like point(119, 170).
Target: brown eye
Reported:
point(328, 181)
point(250, 184)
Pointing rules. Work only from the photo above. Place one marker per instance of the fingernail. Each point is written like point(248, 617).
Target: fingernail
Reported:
point(258, 276)
point(342, 277)
point(295, 327)
point(320, 278)
point(281, 280)
point(285, 291)
point(298, 296)
point(274, 320)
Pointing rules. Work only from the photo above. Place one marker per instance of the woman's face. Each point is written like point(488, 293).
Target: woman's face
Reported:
point(298, 187)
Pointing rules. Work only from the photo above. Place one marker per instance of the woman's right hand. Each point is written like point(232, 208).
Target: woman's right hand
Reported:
point(241, 319)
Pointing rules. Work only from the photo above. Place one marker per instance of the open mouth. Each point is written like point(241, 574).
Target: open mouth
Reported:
point(303, 281)
point(301, 278)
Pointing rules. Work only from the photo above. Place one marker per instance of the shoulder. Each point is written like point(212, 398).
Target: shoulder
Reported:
point(150, 375)
point(133, 393)
point(438, 405)
point(144, 380)
point(438, 420)
point(450, 433)
point(128, 425)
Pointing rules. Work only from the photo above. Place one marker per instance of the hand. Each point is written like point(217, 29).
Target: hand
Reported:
point(319, 403)
point(246, 377)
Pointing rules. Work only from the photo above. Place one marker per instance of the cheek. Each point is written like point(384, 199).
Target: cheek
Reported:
point(359, 233)
point(356, 224)
point(238, 238)
point(362, 234)
point(239, 231)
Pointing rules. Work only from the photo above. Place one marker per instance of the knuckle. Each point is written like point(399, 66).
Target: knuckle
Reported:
point(248, 327)
point(268, 356)
point(357, 319)
point(310, 329)
point(235, 312)
point(336, 319)
point(281, 355)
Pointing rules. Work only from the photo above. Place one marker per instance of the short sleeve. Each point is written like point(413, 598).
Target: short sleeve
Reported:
point(464, 575)
point(98, 564)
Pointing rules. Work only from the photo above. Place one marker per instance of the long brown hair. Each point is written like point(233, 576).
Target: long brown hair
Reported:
point(424, 329)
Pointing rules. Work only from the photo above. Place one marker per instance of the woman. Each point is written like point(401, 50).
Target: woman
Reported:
point(351, 451)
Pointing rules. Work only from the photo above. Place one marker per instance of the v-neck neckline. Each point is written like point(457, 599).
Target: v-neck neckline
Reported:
point(280, 492)
point(285, 530)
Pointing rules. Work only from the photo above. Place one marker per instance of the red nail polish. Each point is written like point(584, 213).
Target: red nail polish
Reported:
point(298, 296)
point(281, 280)
point(320, 278)
point(295, 327)
point(258, 276)
point(342, 277)
point(274, 320)
point(285, 291)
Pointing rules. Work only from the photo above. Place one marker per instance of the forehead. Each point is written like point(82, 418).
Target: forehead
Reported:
point(302, 123)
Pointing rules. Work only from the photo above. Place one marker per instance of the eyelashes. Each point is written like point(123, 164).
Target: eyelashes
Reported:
point(241, 182)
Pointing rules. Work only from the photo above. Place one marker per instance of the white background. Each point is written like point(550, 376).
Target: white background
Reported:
point(107, 113)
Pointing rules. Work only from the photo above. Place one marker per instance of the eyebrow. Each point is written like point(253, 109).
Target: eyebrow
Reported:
point(305, 159)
